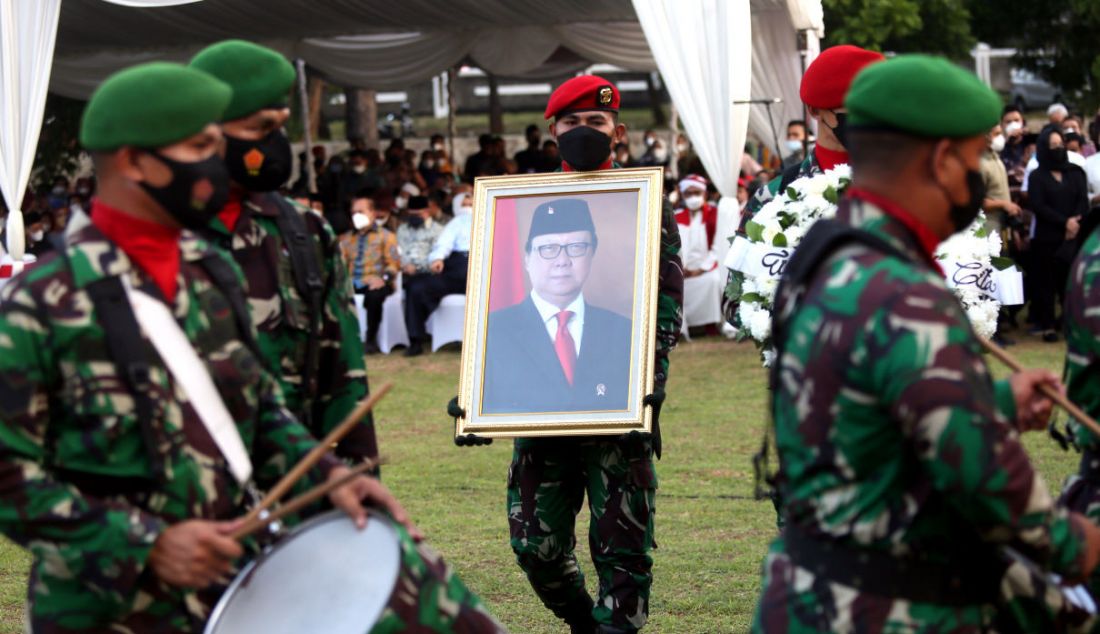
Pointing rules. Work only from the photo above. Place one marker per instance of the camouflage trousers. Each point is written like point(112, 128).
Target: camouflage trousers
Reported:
point(430, 598)
point(796, 601)
point(547, 483)
point(1081, 493)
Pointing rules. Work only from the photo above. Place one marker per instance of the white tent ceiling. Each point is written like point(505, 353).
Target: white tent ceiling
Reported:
point(377, 44)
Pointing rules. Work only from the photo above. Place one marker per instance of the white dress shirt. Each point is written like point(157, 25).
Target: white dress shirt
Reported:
point(455, 237)
point(549, 313)
point(1092, 171)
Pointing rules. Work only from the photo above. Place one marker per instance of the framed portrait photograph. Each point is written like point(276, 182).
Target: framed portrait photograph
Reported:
point(561, 304)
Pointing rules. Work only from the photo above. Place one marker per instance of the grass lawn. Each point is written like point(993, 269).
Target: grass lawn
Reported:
point(711, 534)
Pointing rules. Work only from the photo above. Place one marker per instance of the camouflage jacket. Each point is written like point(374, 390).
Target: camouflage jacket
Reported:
point(283, 320)
point(79, 490)
point(891, 434)
point(1082, 327)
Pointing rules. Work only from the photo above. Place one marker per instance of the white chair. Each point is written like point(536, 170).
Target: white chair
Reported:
point(392, 331)
point(447, 322)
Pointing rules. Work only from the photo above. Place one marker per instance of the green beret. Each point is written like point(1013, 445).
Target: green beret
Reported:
point(260, 77)
point(923, 96)
point(152, 105)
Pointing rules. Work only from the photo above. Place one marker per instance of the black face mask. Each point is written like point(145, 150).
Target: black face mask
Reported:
point(963, 215)
point(415, 221)
point(1059, 156)
point(584, 148)
point(841, 129)
point(259, 166)
point(197, 192)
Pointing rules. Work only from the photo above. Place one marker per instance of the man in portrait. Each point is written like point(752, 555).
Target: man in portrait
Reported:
point(554, 351)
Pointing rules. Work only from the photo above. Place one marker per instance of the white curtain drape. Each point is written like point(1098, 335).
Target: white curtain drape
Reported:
point(28, 30)
point(703, 49)
point(776, 73)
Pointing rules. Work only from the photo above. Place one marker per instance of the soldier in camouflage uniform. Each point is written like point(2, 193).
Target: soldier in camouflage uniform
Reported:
point(299, 291)
point(549, 477)
point(113, 480)
point(822, 90)
point(901, 471)
point(1082, 328)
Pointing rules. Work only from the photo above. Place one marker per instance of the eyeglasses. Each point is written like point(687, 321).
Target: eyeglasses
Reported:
point(573, 250)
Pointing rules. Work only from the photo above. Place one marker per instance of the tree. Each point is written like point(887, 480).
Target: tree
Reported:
point(58, 151)
point(1057, 39)
point(901, 26)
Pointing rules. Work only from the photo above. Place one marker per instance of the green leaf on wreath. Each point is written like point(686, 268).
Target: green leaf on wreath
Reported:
point(792, 193)
point(982, 233)
point(733, 287)
point(779, 240)
point(755, 298)
point(1002, 263)
point(755, 231)
point(831, 195)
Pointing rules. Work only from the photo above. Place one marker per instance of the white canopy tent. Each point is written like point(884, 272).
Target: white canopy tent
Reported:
point(380, 45)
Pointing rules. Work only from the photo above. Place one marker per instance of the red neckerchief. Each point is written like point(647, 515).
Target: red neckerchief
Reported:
point(928, 241)
point(232, 210)
point(828, 159)
point(153, 247)
point(565, 167)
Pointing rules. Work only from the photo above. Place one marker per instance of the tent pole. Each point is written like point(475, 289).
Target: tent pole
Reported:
point(673, 148)
point(307, 135)
point(452, 79)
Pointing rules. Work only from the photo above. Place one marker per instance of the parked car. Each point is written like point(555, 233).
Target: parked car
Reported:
point(1029, 91)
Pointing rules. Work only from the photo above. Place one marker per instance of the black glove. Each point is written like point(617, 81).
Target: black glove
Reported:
point(654, 401)
point(469, 440)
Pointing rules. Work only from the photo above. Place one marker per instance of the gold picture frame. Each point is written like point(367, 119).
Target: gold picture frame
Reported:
point(520, 376)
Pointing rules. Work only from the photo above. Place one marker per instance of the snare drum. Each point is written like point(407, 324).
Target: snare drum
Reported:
point(325, 576)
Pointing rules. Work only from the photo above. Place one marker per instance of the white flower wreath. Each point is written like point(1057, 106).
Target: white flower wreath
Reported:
point(971, 259)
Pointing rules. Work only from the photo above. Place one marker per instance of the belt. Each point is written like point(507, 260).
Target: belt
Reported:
point(968, 580)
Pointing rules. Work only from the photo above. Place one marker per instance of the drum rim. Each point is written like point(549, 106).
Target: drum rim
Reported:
point(323, 518)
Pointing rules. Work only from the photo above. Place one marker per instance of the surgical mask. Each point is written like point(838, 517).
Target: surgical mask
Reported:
point(429, 165)
point(37, 236)
point(381, 222)
point(1013, 127)
point(963, 215)
point(1071, 131)
point(693, 202)
point(841, 129)
point(401, 202)
point(360, 222)
point(58, 191)
point(682, 148)
point(259, 166)
point(998, 143)
point(584, 148)
point(660, 154)
point(438, 147)
point(197, 192)
point(649, 141)
point(358, 168)
point(794, 145)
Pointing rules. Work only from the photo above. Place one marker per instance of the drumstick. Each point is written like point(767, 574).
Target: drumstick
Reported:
point(311, 458)
point(1048, 391)
point(252, 525)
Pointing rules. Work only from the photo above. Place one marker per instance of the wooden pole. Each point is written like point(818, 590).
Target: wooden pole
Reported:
point(315, 454)
point(1051, 393)
point(307, 133)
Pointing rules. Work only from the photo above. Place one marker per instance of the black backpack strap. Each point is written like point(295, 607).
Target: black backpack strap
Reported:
point(311, 286)
point(225, 278)
point(825, 238)
point(130, 354)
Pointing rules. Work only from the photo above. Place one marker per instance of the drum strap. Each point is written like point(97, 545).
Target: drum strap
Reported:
point(191, 376)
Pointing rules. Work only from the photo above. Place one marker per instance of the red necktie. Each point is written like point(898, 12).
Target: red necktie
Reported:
point(564, 346)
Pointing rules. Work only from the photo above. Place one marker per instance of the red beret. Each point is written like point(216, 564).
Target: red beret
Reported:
point(826, 81)
point(587, 92)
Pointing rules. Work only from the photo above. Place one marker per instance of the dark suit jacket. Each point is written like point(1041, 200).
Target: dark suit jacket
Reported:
point(523, 374)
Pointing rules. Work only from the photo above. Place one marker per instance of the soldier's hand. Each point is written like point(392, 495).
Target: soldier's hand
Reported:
point(195, 553)
point(351, 497)
point(436, 266)
point(1091, 546)
point(1033, 408)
